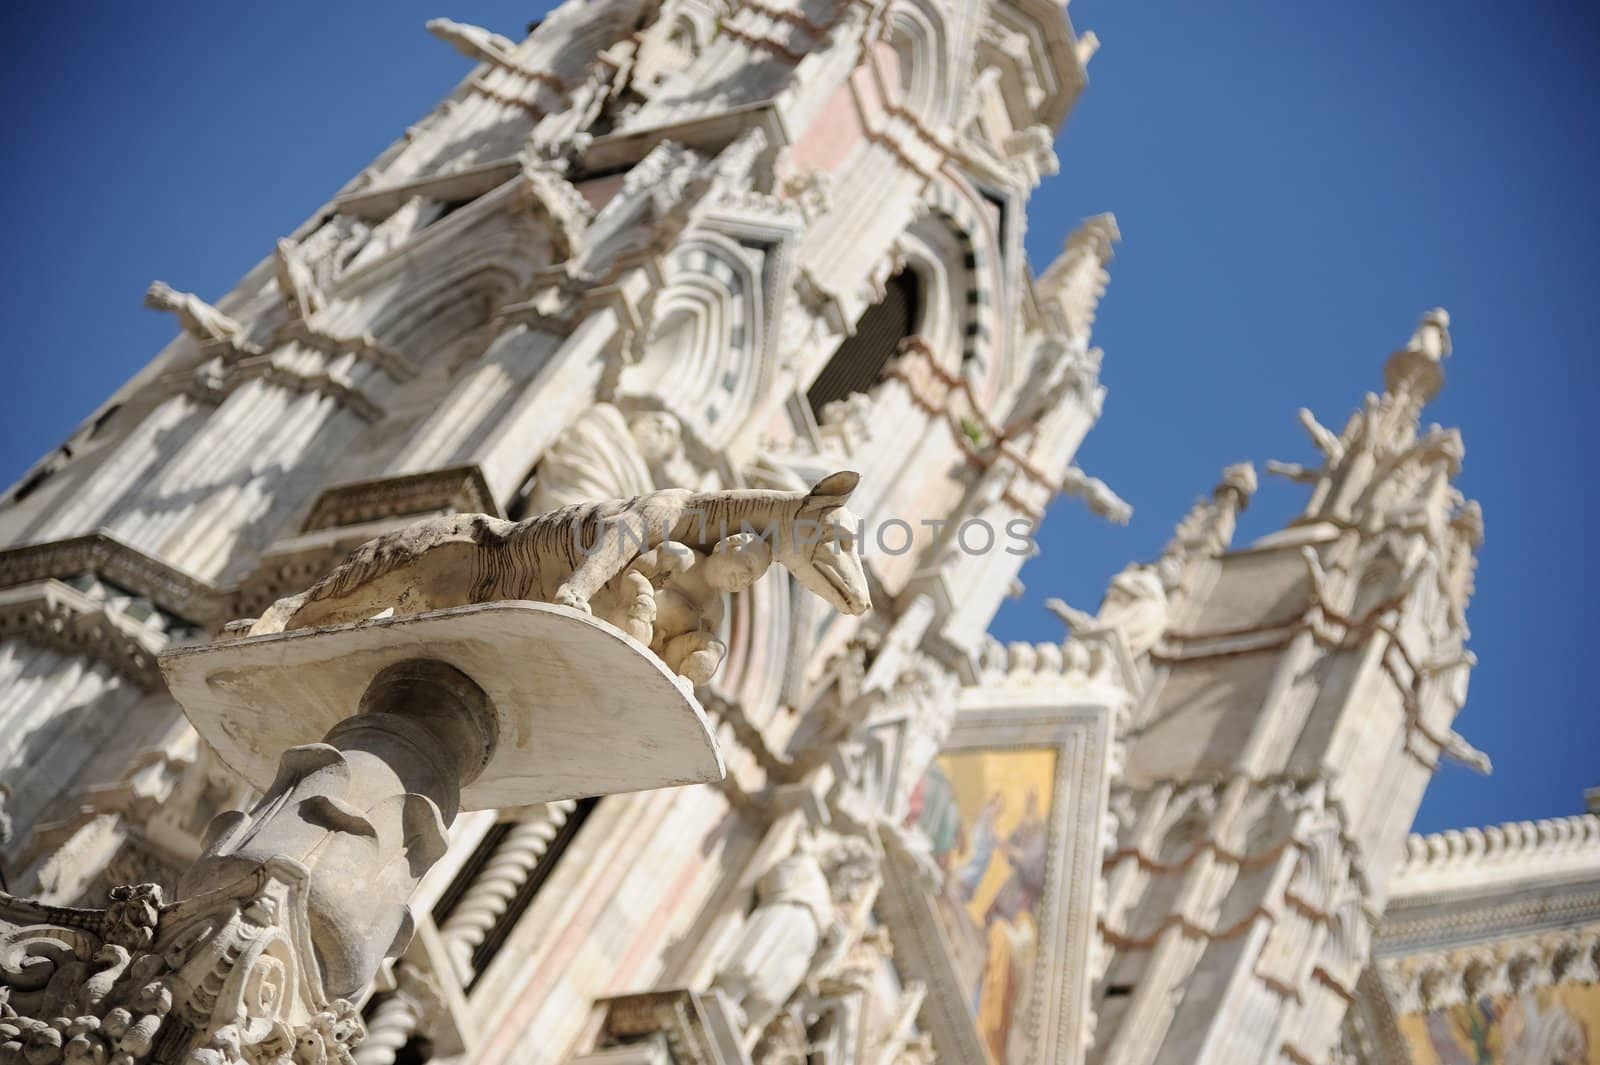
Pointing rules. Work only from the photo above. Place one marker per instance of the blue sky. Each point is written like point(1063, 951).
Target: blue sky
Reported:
point(1295, 184)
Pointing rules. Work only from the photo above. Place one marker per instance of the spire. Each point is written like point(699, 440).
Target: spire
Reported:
point(1384, 469)
point(1075, 282)
point(1207, 530)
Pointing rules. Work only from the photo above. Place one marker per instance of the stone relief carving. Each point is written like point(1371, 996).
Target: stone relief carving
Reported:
point(216, 978)
point(1440, 979)
point(605, 454)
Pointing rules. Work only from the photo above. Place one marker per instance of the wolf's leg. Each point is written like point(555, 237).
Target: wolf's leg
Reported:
point(621, 541)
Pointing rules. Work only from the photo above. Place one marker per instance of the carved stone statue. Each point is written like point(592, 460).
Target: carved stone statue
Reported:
point(605, 454)
point(1326, 440)
point(1097, 495)
point(769, 961)
point(296, 281)
point(596, 457)
point(197, 317)
point(799, 928)
point(293, 906)
point(659, 438)
point(689, 603)
point(1432, 337)
point(593, 557)
point(1135, 607)
point(474, 42)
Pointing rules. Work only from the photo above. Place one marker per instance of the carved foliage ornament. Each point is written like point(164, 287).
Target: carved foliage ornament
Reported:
point(218, 978)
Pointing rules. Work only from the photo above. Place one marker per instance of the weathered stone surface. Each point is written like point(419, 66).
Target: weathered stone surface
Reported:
point(615, 264)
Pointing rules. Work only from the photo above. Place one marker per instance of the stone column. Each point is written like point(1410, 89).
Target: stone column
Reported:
point(397, 1017)
point(365, 812)
point(486, 900)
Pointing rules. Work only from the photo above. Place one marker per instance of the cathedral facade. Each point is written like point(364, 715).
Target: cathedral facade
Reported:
point(742, 244)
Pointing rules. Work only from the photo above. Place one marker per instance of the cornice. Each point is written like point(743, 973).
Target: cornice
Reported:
point(103, 555)
point(51, 614)
point(1438, 922)
point(453, 489)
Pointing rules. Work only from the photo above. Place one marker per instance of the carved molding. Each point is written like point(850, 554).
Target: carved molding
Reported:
point(213, 382)
point(1515, 843)
point(103, 555)
point(364, 347)
point(51, 614)
point(1438, 979)
point(679, 1016)
point(451, 490)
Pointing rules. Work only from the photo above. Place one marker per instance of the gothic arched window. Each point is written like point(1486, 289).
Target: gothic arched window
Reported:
point(860, 360)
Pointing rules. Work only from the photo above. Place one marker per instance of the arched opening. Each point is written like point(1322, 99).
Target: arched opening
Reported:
point(860, 360)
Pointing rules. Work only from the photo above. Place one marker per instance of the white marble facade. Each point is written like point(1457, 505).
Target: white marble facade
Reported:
point(719, 245)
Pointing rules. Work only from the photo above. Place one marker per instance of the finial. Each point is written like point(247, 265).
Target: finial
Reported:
point(1432, 337)
point(1416, 370)
point(1077, 279)
point(1088, 44)
point(1239, 478)
point(1468, 522)
point(1207, 530)
point(1098, 233)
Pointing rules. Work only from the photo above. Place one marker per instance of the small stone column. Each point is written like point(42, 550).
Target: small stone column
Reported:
point(397, 1017)
point(365, 812)
point(472, 918)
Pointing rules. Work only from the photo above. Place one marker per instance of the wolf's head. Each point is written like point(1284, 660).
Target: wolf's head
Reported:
point(820, 549)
